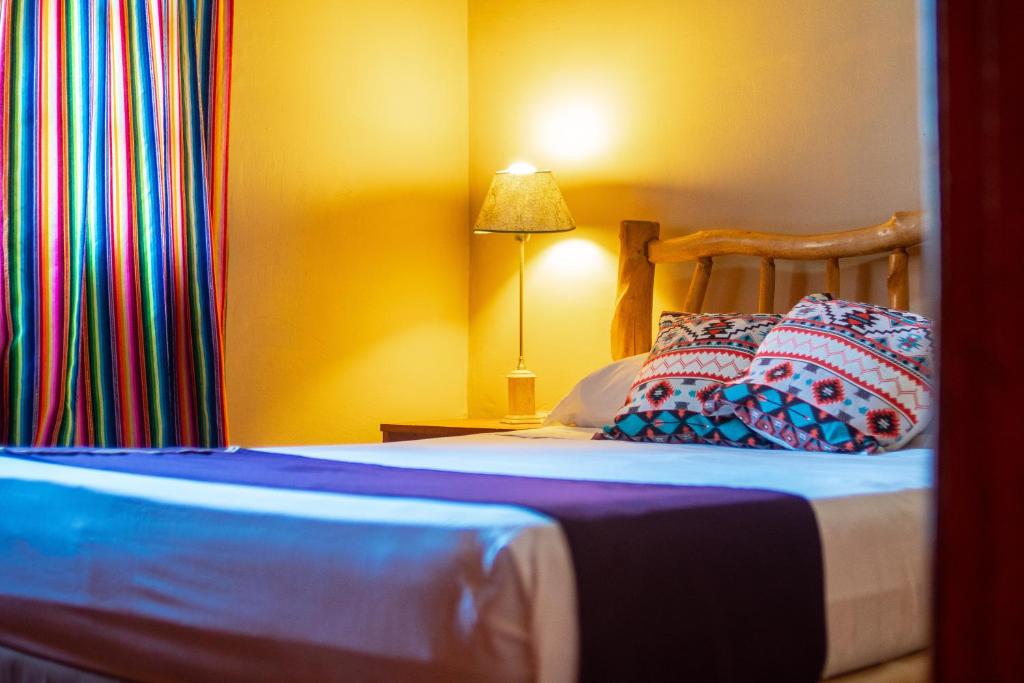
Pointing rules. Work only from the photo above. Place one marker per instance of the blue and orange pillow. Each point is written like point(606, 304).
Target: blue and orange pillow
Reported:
point(694, 355)
point(835, 376)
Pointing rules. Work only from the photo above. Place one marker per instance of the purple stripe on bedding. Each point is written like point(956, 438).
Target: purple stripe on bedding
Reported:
point(688, 583)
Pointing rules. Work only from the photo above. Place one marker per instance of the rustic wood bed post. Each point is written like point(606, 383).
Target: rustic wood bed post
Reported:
point(634, 297)
point(832, 277)
point(899, 280)
point(766, 286)
point(698, 285)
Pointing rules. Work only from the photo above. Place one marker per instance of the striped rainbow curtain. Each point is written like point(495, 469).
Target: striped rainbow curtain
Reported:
point(113, 132)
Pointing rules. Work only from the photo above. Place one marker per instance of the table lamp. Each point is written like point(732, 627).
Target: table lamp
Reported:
point(523, 201)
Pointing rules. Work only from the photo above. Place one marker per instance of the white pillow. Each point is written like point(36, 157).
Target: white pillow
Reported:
point(594, 401)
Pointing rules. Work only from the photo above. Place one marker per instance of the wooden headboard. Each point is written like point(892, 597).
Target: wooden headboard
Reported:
point(640, 249)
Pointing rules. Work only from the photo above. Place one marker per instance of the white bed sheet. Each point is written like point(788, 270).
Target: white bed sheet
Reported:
point(406, 589)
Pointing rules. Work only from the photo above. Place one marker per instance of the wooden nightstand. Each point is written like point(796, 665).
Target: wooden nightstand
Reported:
point(432, 429)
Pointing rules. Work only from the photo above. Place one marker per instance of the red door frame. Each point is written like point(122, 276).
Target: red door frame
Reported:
point(979, 626)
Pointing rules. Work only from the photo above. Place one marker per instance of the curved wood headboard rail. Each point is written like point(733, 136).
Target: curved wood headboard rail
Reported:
point(901, 231)
point(640, 249)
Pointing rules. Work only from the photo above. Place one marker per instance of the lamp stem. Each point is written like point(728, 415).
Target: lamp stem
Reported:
point(522, 288)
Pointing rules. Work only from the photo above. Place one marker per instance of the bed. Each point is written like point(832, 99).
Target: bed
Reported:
point(121, 572)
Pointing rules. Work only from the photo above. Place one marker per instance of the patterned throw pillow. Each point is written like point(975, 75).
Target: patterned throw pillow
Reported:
point(693, 355)
point(836, 376)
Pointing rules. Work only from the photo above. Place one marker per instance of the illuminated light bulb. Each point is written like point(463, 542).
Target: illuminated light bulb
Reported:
point(521, 168)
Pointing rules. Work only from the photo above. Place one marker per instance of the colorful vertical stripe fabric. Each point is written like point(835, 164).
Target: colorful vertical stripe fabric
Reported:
point(113, 162)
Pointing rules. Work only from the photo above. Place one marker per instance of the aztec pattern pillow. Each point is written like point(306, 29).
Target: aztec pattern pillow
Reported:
point(693, 355)
point(836, 376)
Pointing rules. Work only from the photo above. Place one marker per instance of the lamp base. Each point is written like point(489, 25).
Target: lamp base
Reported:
point(522, 407)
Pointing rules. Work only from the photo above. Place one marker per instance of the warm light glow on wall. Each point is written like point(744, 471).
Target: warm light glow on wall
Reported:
point(574, 257)
point(574, 130)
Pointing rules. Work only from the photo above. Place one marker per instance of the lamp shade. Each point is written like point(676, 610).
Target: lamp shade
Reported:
point(524, 203)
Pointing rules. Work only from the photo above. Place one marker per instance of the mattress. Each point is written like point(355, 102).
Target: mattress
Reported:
point(408, 589)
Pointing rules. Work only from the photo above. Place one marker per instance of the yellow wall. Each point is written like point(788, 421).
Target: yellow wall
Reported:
point(793, 115)
point(347, 285)
point(364, 134)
